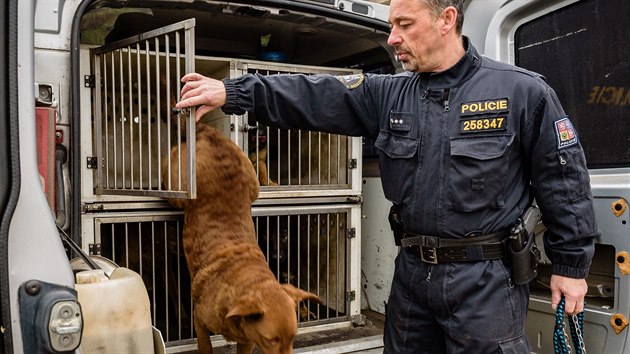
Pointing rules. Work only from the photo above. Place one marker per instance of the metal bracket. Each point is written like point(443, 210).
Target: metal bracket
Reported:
point(89, 81)
point(350, 296)
point(355, 199)
point(95, 249)
point(359, 320)
point(92, 163)
point(352, 232)
point(353, 164)
point(92, 207)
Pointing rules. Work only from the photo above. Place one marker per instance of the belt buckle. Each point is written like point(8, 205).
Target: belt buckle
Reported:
point(431, 258)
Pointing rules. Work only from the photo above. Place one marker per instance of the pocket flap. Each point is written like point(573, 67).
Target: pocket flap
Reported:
point(396, 147)
point(482, 147)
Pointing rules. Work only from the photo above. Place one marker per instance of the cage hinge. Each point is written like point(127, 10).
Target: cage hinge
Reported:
point(92, 163)
point(89, 81)
point(352, 164)
point(94, 249)
point(351, 296)
point(352, 232)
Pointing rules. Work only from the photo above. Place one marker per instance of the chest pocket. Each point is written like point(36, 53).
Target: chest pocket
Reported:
point(478, 172)
point(397, 164)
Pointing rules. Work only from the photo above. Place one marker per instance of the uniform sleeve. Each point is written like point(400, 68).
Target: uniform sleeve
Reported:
point(561, 187)
point(334, 104)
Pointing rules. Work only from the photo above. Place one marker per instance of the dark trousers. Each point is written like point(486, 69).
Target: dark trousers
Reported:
point(459, 307)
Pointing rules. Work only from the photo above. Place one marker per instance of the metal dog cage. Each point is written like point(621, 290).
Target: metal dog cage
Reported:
point(313, 248)
point(307, 217)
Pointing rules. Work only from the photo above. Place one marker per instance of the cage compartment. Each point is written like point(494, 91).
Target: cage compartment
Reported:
point(136, 86)
point(289, 163)
point(313, 248)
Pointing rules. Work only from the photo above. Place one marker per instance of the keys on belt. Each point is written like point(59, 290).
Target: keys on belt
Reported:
point(434, 250)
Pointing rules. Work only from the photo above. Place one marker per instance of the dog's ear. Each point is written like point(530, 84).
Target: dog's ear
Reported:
point(247, 306)
point(300, 295)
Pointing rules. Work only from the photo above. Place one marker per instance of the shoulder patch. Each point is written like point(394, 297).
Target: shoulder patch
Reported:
point(565, 133)
point(351, 81)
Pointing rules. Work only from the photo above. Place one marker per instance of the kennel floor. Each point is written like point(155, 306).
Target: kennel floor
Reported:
point(366, 339)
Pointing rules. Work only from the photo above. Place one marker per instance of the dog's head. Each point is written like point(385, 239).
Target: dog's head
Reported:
point(257, 140)
point(268, 317)
point(223, 171)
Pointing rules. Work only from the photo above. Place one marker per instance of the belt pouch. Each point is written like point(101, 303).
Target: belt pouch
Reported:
point(525, 262)
point(396, 224)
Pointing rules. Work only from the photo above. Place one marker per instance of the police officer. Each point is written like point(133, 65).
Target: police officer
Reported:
point(466, 143)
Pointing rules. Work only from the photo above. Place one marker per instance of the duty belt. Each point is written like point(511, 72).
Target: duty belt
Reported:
point(434, 249)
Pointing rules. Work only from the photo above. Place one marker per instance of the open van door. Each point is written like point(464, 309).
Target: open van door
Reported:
point(5, 186)
point(40, 312)
point(584, 57)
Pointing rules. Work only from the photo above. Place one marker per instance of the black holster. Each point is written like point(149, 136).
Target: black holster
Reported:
point(395, 222)
point(524, 261)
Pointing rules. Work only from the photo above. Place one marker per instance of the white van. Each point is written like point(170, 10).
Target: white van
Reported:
point(87, 92)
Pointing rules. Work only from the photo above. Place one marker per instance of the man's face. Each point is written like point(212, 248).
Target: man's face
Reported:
point(415, 35)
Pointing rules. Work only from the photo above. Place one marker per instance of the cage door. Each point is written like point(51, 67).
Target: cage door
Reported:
point(136, 85)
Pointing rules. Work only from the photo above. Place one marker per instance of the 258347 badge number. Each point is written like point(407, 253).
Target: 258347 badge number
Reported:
point(482, 125)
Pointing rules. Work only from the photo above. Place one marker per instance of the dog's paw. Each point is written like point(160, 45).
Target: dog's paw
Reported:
point(306, 314)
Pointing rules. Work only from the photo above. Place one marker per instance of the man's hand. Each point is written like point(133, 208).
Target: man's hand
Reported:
point(574, 291)
point(206, 93)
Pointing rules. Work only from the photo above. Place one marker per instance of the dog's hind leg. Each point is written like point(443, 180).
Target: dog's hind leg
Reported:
point(204, 345)
point(244, 348)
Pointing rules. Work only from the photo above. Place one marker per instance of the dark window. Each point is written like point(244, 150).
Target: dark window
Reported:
point(584, 52)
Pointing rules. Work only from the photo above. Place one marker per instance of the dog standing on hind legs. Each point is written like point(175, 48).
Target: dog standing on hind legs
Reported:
point(234, 291)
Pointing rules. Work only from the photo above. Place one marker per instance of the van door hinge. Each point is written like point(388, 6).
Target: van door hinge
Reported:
point(353, 164)
point(352, 232)
point(95, 249)
point(350, 296)
point(92, 163)
point(89, 81)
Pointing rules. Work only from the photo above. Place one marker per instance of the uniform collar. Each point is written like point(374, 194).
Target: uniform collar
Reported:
point(458, 73)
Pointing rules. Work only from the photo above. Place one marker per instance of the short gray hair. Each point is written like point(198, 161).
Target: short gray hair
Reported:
point(437, 6)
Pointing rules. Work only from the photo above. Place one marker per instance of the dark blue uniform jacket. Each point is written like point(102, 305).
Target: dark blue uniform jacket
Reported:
point(460, 151)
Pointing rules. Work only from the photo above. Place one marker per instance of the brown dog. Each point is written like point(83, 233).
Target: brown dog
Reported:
point(234, 291)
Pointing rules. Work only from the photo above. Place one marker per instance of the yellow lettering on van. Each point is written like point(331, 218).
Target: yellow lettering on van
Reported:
point(609, 95)
point(593, 94)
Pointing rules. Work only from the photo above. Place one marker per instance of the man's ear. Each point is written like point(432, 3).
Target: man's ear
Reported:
point(300, 295)
point(247, 305)
point(449, 19)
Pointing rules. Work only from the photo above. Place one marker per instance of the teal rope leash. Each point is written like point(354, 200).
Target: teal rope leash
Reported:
point(576, 328)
